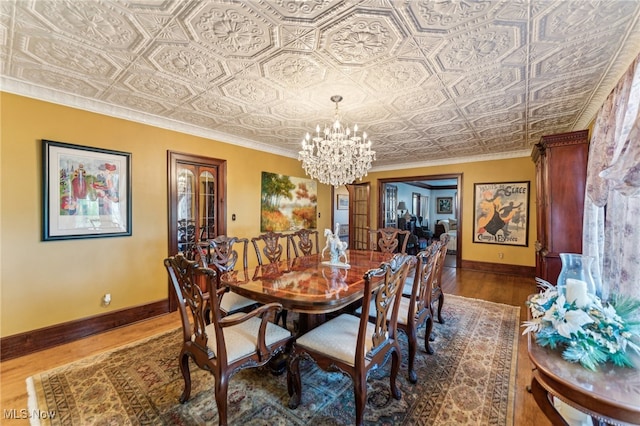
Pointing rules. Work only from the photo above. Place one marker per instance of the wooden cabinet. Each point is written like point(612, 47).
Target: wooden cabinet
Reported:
point(561, 172)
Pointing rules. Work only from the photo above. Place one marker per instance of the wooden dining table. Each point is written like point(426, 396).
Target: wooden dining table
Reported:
point(309, 285)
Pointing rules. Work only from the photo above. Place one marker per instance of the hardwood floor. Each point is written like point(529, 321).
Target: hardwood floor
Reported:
point(510, 290)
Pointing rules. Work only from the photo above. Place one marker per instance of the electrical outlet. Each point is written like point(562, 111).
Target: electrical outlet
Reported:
point(501, 255)
point(106, 299)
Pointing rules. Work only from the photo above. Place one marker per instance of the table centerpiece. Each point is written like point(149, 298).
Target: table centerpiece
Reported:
point(588, 330)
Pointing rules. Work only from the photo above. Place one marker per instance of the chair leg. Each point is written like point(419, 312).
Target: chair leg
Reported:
point(395, 368)
point(412, 338)
point(427, 336)
point(221, 389)
point(186, 375)
point(294, 383)
point(360, 395)
point(440, 303)
point(282, 314)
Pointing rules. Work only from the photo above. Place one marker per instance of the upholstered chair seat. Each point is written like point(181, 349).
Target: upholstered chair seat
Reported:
point(240, 339)
point(233, 302)
point(337, 338)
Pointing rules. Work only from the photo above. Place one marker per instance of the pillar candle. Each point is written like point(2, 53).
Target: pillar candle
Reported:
point(577, 292)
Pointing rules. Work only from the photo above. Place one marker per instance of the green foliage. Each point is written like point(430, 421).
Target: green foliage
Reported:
point(594, 334)
point(274, 188)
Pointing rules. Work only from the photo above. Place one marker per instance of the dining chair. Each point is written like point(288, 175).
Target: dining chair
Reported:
point(354, 346)
point(389, 240)
point(270, 244)
point(415, 310)
point(436, 292)
point(228, 344)
point(303, 242)
point(222, 254)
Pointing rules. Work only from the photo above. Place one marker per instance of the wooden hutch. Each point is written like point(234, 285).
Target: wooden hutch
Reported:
point(561, 173)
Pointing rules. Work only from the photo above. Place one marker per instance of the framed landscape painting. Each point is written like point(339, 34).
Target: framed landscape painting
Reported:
point(86, 192)
point(501, 213)
point(343, 201)
point(287, 203)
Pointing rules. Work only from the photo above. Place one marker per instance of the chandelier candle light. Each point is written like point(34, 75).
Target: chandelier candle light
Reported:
point(336, 157)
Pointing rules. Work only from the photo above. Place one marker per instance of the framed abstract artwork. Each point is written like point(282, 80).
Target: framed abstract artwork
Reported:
point(501, 214)
point(86, 192)
point(444, 205)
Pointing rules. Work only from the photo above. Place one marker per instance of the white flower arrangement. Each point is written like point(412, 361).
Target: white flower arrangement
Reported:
point(593, 334)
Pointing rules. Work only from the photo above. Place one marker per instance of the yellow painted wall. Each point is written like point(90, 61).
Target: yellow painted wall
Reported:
point(511, 170)
point(47, 283)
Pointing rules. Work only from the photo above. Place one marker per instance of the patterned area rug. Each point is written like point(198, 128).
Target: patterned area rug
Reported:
point(469, 380)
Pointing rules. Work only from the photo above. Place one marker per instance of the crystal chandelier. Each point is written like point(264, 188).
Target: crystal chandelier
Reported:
point(336, 157)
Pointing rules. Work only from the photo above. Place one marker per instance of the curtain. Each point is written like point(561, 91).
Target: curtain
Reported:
point(612, 203)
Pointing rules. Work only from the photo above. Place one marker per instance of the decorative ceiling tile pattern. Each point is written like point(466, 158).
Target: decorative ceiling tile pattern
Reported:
point(431, 81)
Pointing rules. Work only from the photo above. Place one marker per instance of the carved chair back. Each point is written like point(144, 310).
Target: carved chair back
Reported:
point(304, 242)
point(389, 240)
point(269, 244)
point(223, 254)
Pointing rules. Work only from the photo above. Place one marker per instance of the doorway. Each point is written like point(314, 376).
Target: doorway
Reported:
point(420, 195)
point(352, 212)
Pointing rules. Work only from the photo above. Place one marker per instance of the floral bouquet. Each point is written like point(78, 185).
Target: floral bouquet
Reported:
point(593, 334)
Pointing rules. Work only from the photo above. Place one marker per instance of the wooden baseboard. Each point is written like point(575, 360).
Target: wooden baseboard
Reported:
point(500, 268)
point(36, 340)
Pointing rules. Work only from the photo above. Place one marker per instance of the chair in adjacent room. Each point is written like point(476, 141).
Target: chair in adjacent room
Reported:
point(352, 345)
point(303, 243)
point(415, 308)
point(270, 244)
point(226, 345)
point(436, 289)
point(222, 254)
point(389, 240)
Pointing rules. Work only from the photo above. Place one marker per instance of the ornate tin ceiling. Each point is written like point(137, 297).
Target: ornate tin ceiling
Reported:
point(433, 81)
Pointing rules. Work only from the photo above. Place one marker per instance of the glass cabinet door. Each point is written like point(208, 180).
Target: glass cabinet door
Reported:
point(207, 205)
point(186, 208)
point(196, 191)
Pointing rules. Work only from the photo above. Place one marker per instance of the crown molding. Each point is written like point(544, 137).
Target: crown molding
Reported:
point(449, 161)
point(28, 90)
point(22, 88)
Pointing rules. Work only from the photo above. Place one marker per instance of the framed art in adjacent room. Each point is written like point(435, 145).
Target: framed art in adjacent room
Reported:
point(86, 192)
point(343, 201)
point(444, 205)
point(501, 213)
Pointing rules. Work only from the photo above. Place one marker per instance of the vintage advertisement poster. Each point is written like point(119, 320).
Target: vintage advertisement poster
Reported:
point(501, 213)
